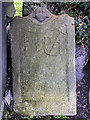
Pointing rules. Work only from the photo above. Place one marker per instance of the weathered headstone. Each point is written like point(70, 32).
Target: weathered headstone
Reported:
point(2, 55)
point(43, 57)
point(10, 11)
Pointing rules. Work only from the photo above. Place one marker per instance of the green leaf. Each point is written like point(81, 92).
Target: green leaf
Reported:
point(80, 33)
point(83, 38)
point(86, 17)
point(84, 23)
point(85, 26)
point(80, 21)
point(25, 117)
point(9, 116)
point(18, 7)
point(85, 35)
point(78, 28)
point(31, 116)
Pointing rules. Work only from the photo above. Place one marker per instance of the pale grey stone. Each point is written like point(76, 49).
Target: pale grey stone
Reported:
point(40, 14)
point(1, 106)
point(2, 56)
point(10, 9)
point(81, 55)
point(43, 58)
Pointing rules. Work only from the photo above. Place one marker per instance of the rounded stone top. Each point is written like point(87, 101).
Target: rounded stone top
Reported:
point(11, 11)
point(40, 14)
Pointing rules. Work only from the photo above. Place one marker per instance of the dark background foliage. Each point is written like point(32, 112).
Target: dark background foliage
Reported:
point(81, 13)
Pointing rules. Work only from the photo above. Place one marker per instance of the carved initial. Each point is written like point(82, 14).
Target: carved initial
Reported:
point(53, 48)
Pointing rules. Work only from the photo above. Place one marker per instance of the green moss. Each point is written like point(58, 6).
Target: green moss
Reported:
point(18, 7)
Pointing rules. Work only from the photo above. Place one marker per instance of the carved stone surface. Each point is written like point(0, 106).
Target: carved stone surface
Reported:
point(43, 57)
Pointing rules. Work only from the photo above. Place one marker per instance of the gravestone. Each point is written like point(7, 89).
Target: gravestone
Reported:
point(10, 11)
point(2, 55)
point(43, 58)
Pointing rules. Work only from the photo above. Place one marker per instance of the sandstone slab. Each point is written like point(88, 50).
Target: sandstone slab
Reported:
point(43, 57)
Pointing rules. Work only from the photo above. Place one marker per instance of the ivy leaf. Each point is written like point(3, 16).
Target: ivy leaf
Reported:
point(80, 21)
point(86, 17)
point(85, 26)
point(80, 33)
point(9, 116)
point(83, 38)
point(84, 23)
point(31, 116)
point(85, 35)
